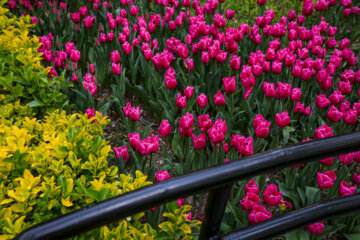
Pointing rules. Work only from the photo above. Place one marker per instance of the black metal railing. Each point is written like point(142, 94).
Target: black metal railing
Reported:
point(219, 180)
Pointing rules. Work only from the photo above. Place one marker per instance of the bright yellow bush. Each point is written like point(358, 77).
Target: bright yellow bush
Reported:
point(22, 77)
point(15, 38)
point(57, 165)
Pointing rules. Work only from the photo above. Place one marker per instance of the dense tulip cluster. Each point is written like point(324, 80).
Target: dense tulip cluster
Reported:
point(271, 196)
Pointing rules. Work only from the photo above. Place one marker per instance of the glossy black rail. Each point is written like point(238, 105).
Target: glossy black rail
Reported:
point(218, 180)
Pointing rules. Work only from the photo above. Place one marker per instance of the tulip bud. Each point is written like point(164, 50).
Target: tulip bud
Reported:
point(162, 175)
point(261, 2)
point(326, 179)
point(295, 94)
point(127, 48)
point(229, 84)
point(201, 100)
point(235, 62)
point(346, 189)
point(134, 114)
point(268, 89)
point(219, 98)
point(188, 91)
point(205, 57)
point(121, 152)
point(204, 122)
point(249, 201)
point(259, 214)
point(75, 55)
point(186, 121)
point(89, 21)
point(334, 115)
point(199, 142)
point(116, 68)
point(165, 128)
point(271, 195)
point(74, 78)
point(283, 90)
point(356, 178)
point(346, 159)
point(316, 228)
point(92, 68)
point(282, 119)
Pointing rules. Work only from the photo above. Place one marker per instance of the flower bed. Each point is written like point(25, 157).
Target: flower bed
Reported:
point(212, 91)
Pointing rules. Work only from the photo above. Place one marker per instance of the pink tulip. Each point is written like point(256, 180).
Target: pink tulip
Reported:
point(346, 159)
point(316, 228)
point(252, 187)
point(75, 55)
point(262, 129)
point(134, 10)
point(199, 142)
point(350, 117)
point(346, 189)
point(180, 101)
point(327, 161)
point(165, 128)
point(89, 21)
point(74, 78)
point(334, 115)
point(121, 152)
point(229, 84)
point(134, 139)
point(295, 94)
point(162, 175)
point(323, 132)
point(321, 101)
point(271, 195)
point(204, 122)
point(259, 214)
point(127, 48)
point(326, 179)
point(91, 68)
point(336, 97)
point(243, 145)
point(219, 98)
point(116, 68)
point(217, 132)
point(202, 100)
point(249, 201)
point(205, 57)
point(282, 119)
point(230, 13)
point(283, 90)
point(189, 91)
point(268, 89)
point(235, 62)
point(356, 178)
point(186, 121)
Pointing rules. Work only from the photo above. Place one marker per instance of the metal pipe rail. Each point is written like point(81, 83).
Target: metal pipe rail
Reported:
point(217, 179)
point(297, 219)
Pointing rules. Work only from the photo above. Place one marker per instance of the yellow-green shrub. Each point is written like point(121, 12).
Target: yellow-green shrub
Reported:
point(22, 77)
point(55, 166)
point(178, 225)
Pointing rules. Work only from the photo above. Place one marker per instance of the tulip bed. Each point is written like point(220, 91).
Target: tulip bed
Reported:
point(187, 86)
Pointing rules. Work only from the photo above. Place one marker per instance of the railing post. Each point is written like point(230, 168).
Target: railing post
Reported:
point(214, 212)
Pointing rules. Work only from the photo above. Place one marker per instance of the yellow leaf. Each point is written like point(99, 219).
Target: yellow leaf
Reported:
point(66, 202)
point(19, 224)
point(5, 201)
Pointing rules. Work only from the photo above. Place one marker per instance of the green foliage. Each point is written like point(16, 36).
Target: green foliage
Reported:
point(177, 225)
point(55, 166)
point(247, 10)
point(21, 75)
